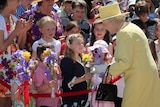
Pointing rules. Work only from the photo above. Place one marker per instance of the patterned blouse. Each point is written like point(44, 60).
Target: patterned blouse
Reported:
point(34, 34)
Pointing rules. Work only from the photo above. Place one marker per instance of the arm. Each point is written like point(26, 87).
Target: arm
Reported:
point(5, 43)
point(123, 54)
point(23, 34)
point(46, 86)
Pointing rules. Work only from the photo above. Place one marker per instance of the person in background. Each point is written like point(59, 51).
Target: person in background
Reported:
point(45, 8)
point(157, 45)
point(141, 10)
point(71, 28)
point(73, 73)
point(100, 33)
point(66, 9)
point(47, 27)
point(12, 31)
point(78, 11)
point(133, 58)
point(23, 6)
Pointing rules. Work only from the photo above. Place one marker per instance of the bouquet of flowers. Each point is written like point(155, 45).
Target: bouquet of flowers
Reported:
point(23, 72)
point(23, 61)
point(50, 64)
point(87, 60)
point(52, 71)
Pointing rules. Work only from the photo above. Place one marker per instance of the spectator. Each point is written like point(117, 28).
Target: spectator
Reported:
point(45, 8)
point(47, 27)
point(141, 10)
point(23, 6)
point(78, 11)
point(12, 31)
point(67, 9)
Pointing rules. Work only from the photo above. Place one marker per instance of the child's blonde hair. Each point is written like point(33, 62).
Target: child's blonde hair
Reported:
point(45, 19)
point(68, 51)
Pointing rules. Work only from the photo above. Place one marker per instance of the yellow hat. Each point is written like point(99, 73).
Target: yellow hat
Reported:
point(36, 1)
point(110, 11)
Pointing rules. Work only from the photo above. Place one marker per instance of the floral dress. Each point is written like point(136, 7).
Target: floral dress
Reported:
point(6, 66)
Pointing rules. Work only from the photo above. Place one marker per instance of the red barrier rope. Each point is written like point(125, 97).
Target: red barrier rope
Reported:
point(65, 94)
point(5, 84)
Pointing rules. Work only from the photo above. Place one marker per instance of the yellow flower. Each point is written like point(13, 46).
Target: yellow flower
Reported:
point(87, 57)
point(26, 55)
point(55, 69)
point(46, 52)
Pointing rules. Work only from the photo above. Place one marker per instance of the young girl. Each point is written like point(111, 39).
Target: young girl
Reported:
point(47, 27)
point(100, 49)
point(71, 28)
point(73, 73)
point(11, 33)
point(99, 33)
point(44, 84)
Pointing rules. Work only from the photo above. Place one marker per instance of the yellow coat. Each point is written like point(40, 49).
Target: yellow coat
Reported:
point(134, 59)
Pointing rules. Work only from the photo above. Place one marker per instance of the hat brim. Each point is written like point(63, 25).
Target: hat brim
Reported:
point(36, 1)
point(103, 19)
point(91, 48)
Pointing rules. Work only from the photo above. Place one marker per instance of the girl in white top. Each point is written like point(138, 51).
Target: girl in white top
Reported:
point(47, 27)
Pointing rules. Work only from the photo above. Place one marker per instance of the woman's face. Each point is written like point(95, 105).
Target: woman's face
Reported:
point(78, 45)
point(47, 5)
point(48, 30)
point(12, 5)
point(99, 31)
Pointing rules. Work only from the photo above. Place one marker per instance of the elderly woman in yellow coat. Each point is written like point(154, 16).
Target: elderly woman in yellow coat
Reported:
point(133, 59)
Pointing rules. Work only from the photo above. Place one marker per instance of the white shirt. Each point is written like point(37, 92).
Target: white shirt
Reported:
point(55, 43)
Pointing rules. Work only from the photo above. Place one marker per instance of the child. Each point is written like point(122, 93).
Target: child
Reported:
point(67, 8)
point(10, 40)
point(24, 6)
point(101, 55)
point(43, 82)
point(78, 11)
point(100, 33)
point(47, 27)
point(71, 28)
point(73, 73)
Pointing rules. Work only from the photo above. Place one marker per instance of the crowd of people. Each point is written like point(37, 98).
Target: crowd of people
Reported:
point(121, 34)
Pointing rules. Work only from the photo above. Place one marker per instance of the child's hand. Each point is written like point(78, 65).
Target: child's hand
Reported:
point(88, 76)
point(52, 83)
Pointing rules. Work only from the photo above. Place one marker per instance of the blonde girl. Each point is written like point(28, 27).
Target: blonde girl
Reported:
point(47, 27)
point(73, 73)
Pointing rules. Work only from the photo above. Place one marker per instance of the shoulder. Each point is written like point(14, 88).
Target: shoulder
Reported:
point(57, 42)
point(36, 43)
point(67, 60)
point(1, 18)
point(151, 22)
